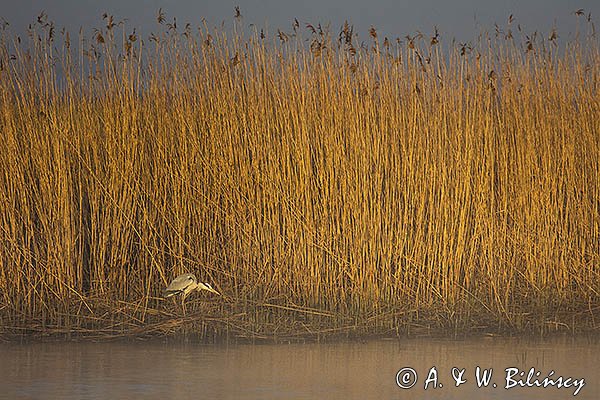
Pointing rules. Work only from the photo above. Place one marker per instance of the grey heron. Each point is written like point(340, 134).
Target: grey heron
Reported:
point(184, 284)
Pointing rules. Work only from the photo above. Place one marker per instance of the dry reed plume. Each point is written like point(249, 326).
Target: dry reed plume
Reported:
point(322, 184)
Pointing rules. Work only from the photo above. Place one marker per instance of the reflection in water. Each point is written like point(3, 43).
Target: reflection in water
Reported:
point(297, 371)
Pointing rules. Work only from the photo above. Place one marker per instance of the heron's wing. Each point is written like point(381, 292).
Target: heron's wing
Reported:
point(179, 284)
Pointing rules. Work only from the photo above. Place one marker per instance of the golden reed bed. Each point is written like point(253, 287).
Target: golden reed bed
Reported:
point(323, 183)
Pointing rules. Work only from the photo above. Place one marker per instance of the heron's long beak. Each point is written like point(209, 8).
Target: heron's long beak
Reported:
point(206, 286)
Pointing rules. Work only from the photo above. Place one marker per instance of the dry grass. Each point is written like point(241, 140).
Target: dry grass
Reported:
point(322, 186)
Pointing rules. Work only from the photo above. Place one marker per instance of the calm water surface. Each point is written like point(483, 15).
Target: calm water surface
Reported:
point(297, 371)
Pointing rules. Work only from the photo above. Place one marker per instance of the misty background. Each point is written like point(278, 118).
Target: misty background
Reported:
point(462, 20)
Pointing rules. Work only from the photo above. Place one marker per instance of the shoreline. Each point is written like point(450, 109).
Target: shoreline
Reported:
point(204, 328)
point(191, 338)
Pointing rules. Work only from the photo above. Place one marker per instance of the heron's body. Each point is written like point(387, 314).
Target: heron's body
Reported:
point(184, 284)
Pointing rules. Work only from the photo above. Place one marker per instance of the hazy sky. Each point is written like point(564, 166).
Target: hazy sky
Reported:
point(460, 19)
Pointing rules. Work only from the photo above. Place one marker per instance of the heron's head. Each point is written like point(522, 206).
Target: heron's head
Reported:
point(207, 286)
